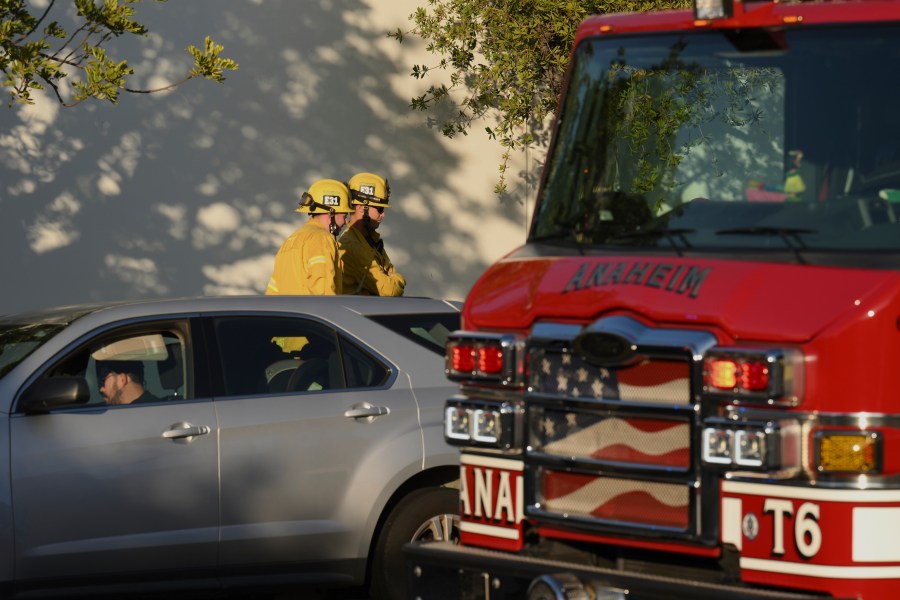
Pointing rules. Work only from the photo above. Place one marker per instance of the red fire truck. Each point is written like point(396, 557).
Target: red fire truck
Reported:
point(686, 384)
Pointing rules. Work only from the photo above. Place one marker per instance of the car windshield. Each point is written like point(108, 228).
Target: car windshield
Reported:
point(21, 334)
point(738, 141)
point(17, 341)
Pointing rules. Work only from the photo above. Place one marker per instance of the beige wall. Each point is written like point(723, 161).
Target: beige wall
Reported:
point(192, 191)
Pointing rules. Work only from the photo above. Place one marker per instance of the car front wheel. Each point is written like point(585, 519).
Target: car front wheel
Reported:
point(428, 514)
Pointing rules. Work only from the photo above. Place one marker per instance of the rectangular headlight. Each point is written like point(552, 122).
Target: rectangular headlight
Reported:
point(486, 424)
point(456, 423)
point(718, 446)
point(751, 445)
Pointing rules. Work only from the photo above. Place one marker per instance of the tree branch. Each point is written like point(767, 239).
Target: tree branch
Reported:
point(38, 22)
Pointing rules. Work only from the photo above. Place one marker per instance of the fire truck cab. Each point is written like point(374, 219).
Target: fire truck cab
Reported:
point(686, 384)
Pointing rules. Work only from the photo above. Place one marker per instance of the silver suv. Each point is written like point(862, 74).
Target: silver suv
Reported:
point(218, 442)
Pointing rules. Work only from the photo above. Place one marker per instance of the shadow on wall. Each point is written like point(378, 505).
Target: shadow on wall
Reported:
point(191, 192)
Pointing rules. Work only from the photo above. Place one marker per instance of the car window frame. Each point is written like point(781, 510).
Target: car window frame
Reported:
point(196, 371)
point(207, 324)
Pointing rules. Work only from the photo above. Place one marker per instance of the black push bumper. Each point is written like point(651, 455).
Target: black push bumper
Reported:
point(441, 570)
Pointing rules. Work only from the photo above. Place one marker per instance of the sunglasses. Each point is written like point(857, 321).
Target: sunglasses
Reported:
point(380, 209)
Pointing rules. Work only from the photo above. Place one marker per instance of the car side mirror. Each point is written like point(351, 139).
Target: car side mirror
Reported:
point(54, 392)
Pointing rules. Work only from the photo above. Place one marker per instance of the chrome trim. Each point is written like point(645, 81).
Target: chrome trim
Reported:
point(554, 332)
point(863, 420)
point(646, 338)
point(602, 526)
point(482, 392)
point(848, 482)
point(615, 404)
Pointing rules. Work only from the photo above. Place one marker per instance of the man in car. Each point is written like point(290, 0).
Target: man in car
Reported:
point(122, 382)
point(367, 269)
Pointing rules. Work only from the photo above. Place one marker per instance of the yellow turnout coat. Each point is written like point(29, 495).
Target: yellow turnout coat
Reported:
point(307, 263)
point(366, 269)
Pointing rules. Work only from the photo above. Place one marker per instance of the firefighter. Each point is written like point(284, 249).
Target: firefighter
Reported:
point(308, 261)
point(367, 269)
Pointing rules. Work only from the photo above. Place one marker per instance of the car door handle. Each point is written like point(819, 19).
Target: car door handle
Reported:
point(366, 410)
point(184, 430)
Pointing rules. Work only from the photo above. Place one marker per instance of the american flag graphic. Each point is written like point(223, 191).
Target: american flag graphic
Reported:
point(563, 373)
point(621, 500)
point(594, 435)
point(627, 439)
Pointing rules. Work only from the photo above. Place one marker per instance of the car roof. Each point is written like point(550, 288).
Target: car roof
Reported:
point(322, 305)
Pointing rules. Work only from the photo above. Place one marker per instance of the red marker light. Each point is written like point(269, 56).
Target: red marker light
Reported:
point(490, 360)
point(755, 376)
point(462, 358)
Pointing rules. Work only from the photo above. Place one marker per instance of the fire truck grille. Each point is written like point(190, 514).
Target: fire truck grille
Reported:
point(616, 500)
point(611, 448)
point(653, 380)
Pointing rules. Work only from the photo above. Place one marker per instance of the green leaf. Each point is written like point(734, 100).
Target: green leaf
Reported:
point(506, 60)
point(208, 64)
point(32, 58)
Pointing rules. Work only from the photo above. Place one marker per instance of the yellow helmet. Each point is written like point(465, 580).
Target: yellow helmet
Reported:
point(369, 189)
point(326, 196)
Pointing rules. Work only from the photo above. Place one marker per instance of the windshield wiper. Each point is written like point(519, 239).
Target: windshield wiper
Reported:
point(785, 233)
point(565, 235)
point(671, 234)
point(790, 236)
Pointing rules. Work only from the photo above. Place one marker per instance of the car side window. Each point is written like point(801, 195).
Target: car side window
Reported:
point(276, 355)
point(128, 366)
point(429, 330)
point(362, 370)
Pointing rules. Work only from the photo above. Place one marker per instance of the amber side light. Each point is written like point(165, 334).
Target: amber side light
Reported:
point(843, 452)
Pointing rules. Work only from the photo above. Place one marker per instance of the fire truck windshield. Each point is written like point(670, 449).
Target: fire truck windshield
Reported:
point(787, 142)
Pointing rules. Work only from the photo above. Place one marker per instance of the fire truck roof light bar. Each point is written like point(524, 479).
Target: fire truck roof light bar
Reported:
point(713, 9)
